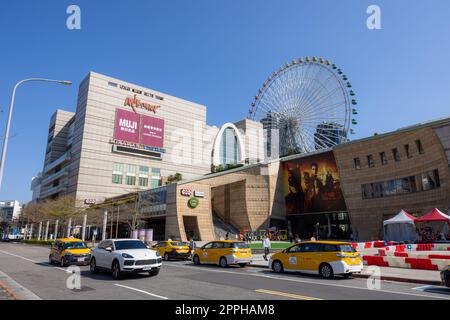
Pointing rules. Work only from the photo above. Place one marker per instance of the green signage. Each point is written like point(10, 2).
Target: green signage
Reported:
point(192, 203)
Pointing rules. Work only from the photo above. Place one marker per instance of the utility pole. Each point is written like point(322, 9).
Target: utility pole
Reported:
point(84, 226)
point(105, 220)
point(117, 224)
point(46, 230)
point(69, 225)
point(56, 228)
point(39, 230)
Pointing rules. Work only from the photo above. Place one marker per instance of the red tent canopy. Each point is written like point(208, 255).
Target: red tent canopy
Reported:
point(433, 216)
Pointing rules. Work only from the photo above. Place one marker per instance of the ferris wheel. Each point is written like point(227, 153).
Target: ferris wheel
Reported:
point(305, 106)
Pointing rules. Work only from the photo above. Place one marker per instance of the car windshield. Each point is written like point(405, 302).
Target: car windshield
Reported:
point(346, 248)
point(240, 245)
point(179, 244)
point(129, 244)
point(75, 245)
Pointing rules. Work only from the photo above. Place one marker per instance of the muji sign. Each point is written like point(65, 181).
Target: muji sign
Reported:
point(134, 103)
point(127, 126)
point(139, 129)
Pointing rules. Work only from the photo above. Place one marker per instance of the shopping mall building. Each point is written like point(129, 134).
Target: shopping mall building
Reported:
point(124, 141)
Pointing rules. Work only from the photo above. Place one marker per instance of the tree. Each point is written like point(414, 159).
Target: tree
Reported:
point(174, 178)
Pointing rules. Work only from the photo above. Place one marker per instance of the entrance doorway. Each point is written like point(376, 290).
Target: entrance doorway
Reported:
point(191, 228)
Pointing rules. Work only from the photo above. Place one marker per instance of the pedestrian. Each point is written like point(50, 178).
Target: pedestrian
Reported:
point(297, 238)
point(192, 245)
point(266, 245)
point(226, 236)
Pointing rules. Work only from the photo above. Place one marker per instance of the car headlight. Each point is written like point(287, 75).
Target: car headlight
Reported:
point(157, 254)
point(126, 255)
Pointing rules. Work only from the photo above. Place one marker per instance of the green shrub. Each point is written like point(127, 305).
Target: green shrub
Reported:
point(39, 242)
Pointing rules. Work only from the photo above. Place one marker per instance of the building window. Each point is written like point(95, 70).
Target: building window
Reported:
point(370, 162)
point(156, 172)
point(117, 178)
point(422, 182)
point(131, 180)
point(131, 169)
point(419, 147)
point(396, 154)
point(143, 170)
point(383, 158)
point(112, 84)
point(155, 183)
point(408, 154)
point(357, 163)
point(117, 167)
point(143, 182)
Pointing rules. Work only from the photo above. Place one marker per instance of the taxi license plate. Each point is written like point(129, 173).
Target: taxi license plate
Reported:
point(80, 259)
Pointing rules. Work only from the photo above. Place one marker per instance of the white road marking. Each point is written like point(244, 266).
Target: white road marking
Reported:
point(34, 261)
point(304, 281)
point(142, 291)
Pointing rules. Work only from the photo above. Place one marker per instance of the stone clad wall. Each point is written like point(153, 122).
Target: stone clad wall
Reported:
point(367, 215)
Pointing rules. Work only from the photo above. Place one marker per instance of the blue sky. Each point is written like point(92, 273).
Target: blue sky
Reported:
point(218, 53)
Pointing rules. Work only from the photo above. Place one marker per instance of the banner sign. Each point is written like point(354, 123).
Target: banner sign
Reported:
point(138, 130)
point(152, 132)
point(127, 126)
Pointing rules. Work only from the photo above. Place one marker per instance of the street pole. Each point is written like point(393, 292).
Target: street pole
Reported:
point(39, 230)
point(8, 123)
point(46, 230)
point(31, 232)
point(117, 224)
point(56, 228)
point(69, 225)
point(105, 220)
point(84, 226)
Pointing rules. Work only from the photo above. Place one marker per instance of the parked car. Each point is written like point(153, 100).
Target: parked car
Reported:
point(122, 256)
point(445, 276)
point(173, 250)
point(68, 251)
point(326, 258)
point(223, 253)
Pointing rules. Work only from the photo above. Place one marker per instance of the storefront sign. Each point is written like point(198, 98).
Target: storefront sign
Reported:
point(152, 131)
point(127, 126)
point(199, 194)
point(186, 192)
point(134, 103)
point(193, 203)
point(90, 201)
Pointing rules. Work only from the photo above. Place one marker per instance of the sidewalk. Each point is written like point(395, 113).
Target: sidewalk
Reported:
point(11, 290)
point(387, 273)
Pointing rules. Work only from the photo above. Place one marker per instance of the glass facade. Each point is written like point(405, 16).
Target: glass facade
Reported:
point(133, 175)
point(422, 182)
point(230, 152)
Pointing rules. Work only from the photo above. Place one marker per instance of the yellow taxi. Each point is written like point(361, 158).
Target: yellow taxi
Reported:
point(67, 251)
point(326, 258)
point(173, 249)
point(223, 253)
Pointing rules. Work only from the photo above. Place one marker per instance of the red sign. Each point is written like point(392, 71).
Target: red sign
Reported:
point(127, 126)
point(152, 131)
point(186, 192)
point(136, 103)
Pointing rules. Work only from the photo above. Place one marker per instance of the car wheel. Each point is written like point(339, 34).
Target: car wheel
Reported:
point(326, 271)
point(223, 262)
point(153, 273)
point(196, 260)
point(116, 270)
point(277, 266)
point(63, 262)
point(93, 266)
point(242, 265)
point(347, 275)
point(166, 256)
point(50, 260)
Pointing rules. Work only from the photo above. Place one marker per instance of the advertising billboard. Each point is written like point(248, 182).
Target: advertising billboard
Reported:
point(152, 131)
point(127, 126)
point(312, 185)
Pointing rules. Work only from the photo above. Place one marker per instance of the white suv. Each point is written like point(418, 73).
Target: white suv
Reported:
point(125, 256)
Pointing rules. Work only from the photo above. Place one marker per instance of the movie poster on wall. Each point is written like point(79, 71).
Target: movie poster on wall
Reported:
point(312, 185)
point(127, 126)
point(152, 131)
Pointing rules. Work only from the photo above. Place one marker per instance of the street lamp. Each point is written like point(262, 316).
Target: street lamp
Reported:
point(8, 124)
